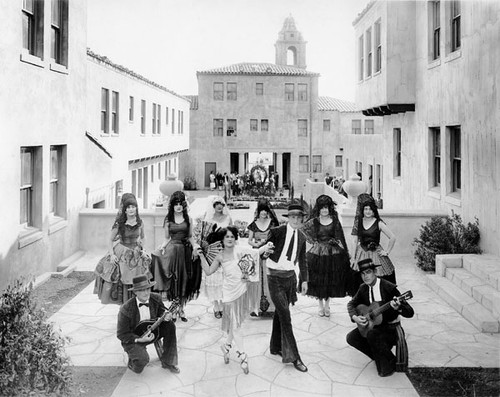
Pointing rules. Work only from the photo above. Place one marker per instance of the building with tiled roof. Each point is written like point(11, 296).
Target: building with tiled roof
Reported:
point(270, 112)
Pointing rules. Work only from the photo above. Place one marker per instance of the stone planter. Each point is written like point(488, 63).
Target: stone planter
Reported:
point(354, 186)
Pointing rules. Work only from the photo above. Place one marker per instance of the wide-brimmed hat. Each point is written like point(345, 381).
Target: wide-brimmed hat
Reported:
point(294, 209)
point(141, 282)
point(366, 264)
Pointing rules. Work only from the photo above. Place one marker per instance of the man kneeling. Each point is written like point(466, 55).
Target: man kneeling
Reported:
point(376, 341)
point(145, 306)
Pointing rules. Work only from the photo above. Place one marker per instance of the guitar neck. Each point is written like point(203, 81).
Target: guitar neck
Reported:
point(379, 310)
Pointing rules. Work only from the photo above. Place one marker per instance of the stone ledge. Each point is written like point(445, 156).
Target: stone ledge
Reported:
point(445, 261)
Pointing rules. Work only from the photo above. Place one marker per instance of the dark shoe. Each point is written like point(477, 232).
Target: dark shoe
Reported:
point(218, 314)
point(299, 365)
point(383, 375)
point(253, 314)
point(277, 353)
point(172, 368)
point(221, 313)
point(131, 367)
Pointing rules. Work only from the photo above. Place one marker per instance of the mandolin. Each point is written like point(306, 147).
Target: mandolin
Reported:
point(373, 313)
point(148, 327)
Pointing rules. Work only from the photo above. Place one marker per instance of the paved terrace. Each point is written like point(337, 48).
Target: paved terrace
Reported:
point(437, 337)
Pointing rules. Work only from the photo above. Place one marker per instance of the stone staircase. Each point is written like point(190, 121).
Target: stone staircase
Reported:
point(471, 285)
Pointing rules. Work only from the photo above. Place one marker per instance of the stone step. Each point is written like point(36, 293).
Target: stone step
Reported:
point(476, 287)
point(464, 304)
point(67, 265)
point(485, 267)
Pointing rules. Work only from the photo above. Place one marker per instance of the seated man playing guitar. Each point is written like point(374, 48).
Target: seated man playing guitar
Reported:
point(375, 309)
point(134, 329)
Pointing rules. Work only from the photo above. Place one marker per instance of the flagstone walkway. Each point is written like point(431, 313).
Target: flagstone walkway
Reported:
point(437, 337)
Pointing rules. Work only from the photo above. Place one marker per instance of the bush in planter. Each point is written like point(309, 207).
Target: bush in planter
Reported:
point(32, 357)
point(445, 235)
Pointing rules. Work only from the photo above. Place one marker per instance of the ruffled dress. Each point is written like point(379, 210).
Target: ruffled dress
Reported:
point(113, 280)
point(369, 247)
point(175, 273)
point(260, 236)
point(238, 296)
point(330, 273)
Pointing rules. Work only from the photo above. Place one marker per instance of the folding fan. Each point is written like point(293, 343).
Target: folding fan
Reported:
point(205, 234)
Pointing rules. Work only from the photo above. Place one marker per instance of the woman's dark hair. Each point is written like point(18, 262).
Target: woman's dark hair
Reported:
point(324, 201)
point(265, 205)
point(221, 233)
point(176, 198)
point(374, 208)
point(121, 217)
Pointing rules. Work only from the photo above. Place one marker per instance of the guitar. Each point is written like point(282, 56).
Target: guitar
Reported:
point(148, 327)
point(373, 313)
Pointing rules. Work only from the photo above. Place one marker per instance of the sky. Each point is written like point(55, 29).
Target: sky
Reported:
point(168, 41)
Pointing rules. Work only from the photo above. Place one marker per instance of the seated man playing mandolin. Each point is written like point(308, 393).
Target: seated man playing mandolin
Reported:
point(375, 309)
point(142, 320)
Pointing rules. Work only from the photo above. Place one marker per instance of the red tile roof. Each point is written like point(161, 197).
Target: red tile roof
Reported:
point(259, 69)
point(326, 103)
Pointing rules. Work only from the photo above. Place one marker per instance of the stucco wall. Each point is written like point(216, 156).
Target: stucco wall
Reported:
point(41, 107)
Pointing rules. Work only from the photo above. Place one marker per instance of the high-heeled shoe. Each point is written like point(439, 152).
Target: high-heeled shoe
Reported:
point(327, 311)
point(243, 362)
point(225, 347)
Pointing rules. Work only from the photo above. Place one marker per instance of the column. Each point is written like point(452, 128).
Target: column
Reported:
point(279, 168)
point(241, 163)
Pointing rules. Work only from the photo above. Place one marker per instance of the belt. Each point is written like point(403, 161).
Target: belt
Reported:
point(280, 273)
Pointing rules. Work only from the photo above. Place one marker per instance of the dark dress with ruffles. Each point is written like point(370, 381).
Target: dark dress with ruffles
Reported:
point(175, 273)
point(330, 274)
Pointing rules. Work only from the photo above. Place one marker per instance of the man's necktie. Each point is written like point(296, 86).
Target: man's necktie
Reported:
point(289, 251)
point(144, 304)
point(372, 295)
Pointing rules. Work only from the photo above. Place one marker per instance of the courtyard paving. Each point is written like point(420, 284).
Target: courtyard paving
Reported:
point(437, 337)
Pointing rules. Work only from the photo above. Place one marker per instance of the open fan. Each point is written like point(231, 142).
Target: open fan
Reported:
point(205, 234)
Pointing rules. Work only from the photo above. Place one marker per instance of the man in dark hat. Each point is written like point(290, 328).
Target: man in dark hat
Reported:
point(380, 339)
point(144, 306)
point(289, 249)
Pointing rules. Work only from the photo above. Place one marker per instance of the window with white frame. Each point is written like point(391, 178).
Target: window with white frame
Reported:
point(303, 163)
point(166, 114)
point(57, 190)
point(30, 186)
point(254, 125)
point(361, 59)
point(179, 122)
point(397, 152)
point(153, 120)
point(289, 92)
point(259, 89)
point(173, 121)
point(231, 127)
point(369, 127)
point(143, 116)
point(218, 91)
point(302, 127)
point(104, 111)
point(338, 161)
point(131, 108)
point(369, 52)
point(456, 158)
point(435, 31)
point(435, 138)
point(115, 107)
point(218, 127)
point(378, 46)
point(356, 127)
point(158, 118)
point(59, 32)
point(302, 92)
point(326, 125)
point(232, 94)
point(316, 163)
point(455, 25)
point(264, 125)
point(32, 20)
point(182, 122)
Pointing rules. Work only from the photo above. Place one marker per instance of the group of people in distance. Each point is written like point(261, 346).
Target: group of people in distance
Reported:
point(310, 256)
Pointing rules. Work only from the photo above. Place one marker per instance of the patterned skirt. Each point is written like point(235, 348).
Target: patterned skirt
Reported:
point(385, 267)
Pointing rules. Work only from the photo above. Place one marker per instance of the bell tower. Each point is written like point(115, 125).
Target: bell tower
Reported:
point(290, 46)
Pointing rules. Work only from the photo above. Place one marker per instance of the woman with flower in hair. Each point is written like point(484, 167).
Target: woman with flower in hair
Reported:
point(366, 229)
point(177, 271)
point(330, 274)
point(217, 216)
point(258, 230)
point(126, 258)
point(239, 266)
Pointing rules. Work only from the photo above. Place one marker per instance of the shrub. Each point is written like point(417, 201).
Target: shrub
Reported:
point(445, 235)
point(32, 357)
point(190, 183)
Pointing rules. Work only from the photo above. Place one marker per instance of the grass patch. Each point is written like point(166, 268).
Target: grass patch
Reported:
point(95, 381)
point(456, 382)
